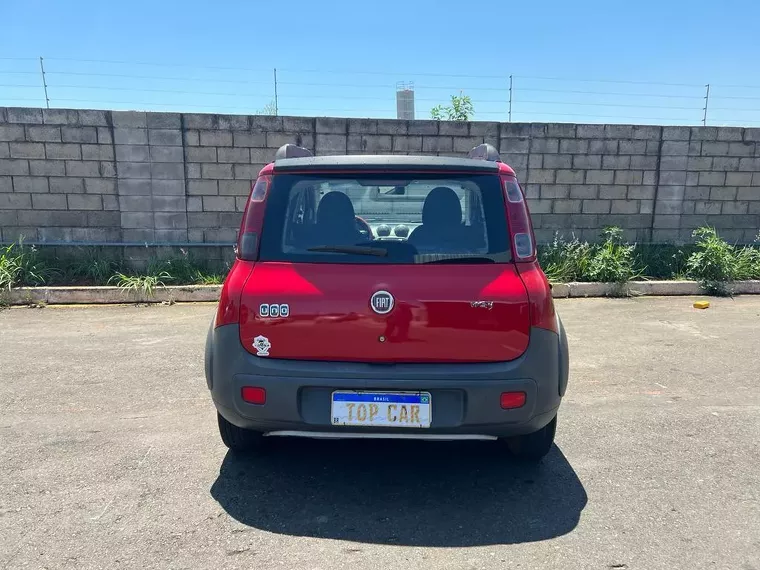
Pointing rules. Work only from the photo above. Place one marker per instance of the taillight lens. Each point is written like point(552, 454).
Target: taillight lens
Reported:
point(253, 220)
point(518, 216)
point(228, 311)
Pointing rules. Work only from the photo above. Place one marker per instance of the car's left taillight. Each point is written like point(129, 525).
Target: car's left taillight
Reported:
point(253, 220)
point(228, 311)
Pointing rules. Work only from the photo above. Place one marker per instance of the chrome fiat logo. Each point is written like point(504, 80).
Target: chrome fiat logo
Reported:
point(382, 302)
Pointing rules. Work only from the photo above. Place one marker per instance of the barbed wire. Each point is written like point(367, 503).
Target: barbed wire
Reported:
point(620, 81)
point(495, 97)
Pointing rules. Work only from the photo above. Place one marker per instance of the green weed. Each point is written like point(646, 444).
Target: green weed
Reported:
point(716, 264)
point(90, 267)
point(564, 261)
point(613, 261)
point(209, 279)
point(22, 265)
point(663, 261)
point(713, 265)
point(143, 286)
point(748, 261)
point(186, 269)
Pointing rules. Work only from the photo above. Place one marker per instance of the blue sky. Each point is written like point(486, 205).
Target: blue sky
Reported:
point(608, 61)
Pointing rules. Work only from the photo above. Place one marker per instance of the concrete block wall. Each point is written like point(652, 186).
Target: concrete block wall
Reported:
point(150, 175)
point(579, 178)
point(708, 175)
point(58, 176)
point(168, 178)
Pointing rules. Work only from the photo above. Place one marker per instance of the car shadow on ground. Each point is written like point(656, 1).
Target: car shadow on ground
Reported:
point(401, 492)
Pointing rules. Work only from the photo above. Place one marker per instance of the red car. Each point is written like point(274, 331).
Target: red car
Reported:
point(387, 297)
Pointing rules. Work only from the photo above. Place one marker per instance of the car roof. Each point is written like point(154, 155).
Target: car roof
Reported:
point(386, 162)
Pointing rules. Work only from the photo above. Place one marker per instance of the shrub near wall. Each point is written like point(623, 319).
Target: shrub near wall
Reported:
point(713, 262)
point(22, 265)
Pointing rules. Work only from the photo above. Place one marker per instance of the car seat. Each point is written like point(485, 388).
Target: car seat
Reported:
point(441, 222)
point(336, 221)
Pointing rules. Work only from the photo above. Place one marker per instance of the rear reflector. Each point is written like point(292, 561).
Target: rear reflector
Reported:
point(254, 395)
point(511, 400)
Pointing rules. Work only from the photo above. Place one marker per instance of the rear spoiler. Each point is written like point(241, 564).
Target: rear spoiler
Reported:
point(485, 151)
point(292, 151)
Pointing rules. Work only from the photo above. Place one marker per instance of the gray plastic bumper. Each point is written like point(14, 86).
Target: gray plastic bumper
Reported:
point(465, 397)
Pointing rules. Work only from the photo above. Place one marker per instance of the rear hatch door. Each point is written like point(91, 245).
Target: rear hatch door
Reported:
point(328, 287)
point(438, 313)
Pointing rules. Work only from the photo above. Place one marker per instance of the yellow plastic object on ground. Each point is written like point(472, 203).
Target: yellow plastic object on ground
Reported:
point(701, 304)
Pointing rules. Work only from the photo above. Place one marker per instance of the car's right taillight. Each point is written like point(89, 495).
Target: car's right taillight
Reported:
point(253, 220)
point(542, 314)
point(518, 217)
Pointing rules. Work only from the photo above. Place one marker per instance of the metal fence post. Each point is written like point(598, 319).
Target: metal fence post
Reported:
point(276, 106)
point(44, 84)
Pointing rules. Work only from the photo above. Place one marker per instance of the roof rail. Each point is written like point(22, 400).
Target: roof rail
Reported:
point(485, 151)
point(292, 151)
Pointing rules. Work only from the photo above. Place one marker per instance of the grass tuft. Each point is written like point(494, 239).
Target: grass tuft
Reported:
point(141, 285)
point(22, 265)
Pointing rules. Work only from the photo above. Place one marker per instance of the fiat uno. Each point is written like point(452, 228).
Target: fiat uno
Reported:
point(387, 297)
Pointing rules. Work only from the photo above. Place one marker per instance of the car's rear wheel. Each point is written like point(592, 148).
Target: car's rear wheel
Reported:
point(238, 439)
point(533, 446)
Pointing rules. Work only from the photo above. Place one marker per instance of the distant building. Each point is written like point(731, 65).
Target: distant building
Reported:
point(405, 101)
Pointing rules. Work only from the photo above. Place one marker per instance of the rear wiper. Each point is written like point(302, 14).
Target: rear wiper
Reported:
point(464, 259)
point(353, 249)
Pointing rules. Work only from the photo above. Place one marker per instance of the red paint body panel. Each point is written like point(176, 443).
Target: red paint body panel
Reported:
point(505, 169)
point(228, 310)
point(432, 320)
point(542, 313)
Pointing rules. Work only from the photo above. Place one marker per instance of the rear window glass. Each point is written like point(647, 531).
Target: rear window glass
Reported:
point(399, 218)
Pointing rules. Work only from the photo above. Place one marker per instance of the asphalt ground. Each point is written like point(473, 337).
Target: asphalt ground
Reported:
point(110, 456)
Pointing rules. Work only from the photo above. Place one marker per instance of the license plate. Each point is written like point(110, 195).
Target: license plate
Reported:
point(381, 409)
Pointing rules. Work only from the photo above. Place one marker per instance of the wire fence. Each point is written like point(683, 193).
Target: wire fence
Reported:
point(110, 84)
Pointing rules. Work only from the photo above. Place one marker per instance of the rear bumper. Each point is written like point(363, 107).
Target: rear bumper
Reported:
point(465, 397)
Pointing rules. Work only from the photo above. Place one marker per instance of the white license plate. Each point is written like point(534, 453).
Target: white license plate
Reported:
point(381, 409)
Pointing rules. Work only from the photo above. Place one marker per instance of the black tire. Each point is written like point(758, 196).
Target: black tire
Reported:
point(533, 446)
point(238, 439)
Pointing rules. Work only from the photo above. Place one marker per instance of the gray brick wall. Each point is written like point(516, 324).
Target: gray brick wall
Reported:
point(126, 177)
point(57, 178)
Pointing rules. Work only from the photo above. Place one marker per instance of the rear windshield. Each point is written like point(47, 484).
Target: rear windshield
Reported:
point(342, 218)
